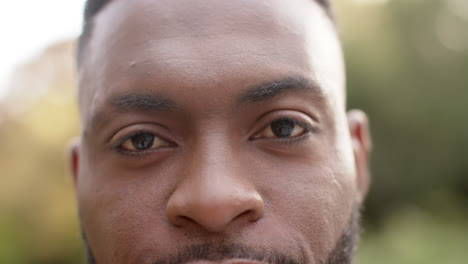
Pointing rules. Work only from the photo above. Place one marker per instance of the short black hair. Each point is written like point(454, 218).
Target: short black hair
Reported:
point(92, 8)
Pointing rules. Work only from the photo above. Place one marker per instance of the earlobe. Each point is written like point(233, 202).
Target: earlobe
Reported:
point(362, 145)
point(74, 158)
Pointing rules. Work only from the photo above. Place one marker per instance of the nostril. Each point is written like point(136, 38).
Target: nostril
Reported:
point(250, 215)
point(181, 221)
point(247, 214)
point(243, 215)
point(214, 208)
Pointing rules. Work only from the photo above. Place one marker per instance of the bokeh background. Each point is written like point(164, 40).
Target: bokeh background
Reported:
point(407, 63)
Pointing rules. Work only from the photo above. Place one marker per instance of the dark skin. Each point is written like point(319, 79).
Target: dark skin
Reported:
point(219, 124)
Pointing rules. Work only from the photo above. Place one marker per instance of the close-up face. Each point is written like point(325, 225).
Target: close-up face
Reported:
point(216, 131)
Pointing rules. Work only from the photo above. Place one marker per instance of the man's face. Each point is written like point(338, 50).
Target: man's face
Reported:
point(216, 131)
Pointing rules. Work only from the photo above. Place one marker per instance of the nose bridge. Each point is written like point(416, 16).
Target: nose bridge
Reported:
point(213, 192)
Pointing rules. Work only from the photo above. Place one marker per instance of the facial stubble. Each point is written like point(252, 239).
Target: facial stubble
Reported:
point(213, 251)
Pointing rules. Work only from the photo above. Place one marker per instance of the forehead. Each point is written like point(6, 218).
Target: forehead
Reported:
point(183, 45)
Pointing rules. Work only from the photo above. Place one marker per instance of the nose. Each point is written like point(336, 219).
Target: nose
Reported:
point(214, 197)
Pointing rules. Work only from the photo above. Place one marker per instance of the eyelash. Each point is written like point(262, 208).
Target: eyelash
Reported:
point(286, 140)
point(137, 154)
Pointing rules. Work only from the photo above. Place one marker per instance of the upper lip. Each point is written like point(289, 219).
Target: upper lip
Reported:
point(229, 261)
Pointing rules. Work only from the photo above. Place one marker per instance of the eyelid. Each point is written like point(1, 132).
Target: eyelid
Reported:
point(307, 128)
point(129, 136)
point(128, 132)
point(304, 125)
point(298, 118)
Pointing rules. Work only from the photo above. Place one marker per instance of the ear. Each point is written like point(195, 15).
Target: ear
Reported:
point(74, 158)
point(362, 145)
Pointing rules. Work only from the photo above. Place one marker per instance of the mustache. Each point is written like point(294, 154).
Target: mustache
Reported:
point(217, 252)
point(341, 254)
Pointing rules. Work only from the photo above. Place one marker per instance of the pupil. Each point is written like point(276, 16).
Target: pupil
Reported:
point(143, 141)
point(282, 127)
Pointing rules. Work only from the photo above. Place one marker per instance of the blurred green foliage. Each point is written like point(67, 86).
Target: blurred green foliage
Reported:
point(407, 64)
point(413, 84)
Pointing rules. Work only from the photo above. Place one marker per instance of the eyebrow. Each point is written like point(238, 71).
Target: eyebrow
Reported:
point(158, 103)
point(262, 92)
point(141, 102)
point(268, 90)
point(133, 102)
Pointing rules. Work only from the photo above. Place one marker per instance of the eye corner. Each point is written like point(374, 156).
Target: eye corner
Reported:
point(150, 144)
point(293, 129)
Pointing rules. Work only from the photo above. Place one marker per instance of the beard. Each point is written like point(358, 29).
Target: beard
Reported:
point(343, 252)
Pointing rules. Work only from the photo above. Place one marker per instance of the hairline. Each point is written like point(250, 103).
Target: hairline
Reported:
point(89, 15)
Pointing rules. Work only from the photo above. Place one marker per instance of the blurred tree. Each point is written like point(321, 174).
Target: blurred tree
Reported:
point(402, 72)
point(37, 121)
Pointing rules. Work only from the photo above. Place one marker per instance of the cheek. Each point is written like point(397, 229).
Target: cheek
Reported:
point(122, 212)
point(313, 202)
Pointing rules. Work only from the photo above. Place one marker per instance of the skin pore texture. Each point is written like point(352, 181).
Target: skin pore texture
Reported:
point(216, 132)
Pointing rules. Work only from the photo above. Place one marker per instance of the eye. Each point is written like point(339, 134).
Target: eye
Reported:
point(142, 141)
point(283, 128)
